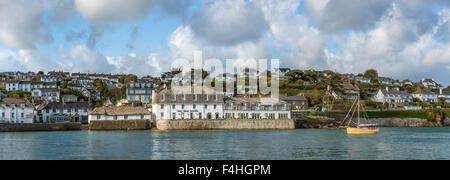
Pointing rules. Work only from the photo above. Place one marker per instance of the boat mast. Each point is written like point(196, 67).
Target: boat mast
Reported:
point(359, 105)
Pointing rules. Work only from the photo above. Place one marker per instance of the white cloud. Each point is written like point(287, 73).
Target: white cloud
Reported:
point(229, 22)
point(85, 59)
point(113, 10)
point(21, 25)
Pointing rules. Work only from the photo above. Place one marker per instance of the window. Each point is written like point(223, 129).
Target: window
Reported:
point(54, 110)
point(85, 110)
point(174, 97)
point(47, 111)
point(3, 114)
point(215, 97)
point(161, 97)
point(215, 106)
point(22, 115)
point(115, 117)
point(125, 117)
point(162, 106)
point(194, 106)
point(162, 114)
point(69, 110)
point(206, 97)
point(173, 106)
point(183, 97)
point(99, 117)
point(194, 97)
point(12, 115)
point(206, 106)
point(182, 106)
point(76, 110)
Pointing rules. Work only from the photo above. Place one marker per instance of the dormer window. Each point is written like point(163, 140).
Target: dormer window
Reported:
point(194, 97)
point(215, 97)
point(183, 97)
point(162, 97)
point(206, 97)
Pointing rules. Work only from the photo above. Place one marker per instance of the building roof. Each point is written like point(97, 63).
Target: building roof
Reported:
point(424, 91)
point(188, 98)
point(15, 101)
point(260, 100)
point(394, 93)
point(47, 90)
point(293, 98)
point(68, 105)
point(120, 110)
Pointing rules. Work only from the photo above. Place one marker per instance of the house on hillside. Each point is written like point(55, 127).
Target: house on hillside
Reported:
point(425, 95)
point(392, 96)
point(430, 83)
point(16, 110)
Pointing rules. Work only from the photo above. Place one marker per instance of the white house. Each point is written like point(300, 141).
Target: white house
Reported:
point(430, 83)
point(426, 95)
point(114, 113)
point(16, 110)
point(256, 108)
point(392, 96)
point(18, 85)
point(362, 79)
point(445, 95)
point(46, 94)
point(168, 104)
point(56, 112)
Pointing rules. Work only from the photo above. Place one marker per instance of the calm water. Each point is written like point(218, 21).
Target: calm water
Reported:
point(391, 143)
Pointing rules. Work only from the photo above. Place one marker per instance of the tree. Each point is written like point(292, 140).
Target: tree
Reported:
point(294, 75)
point(447, 89)
point(128, 78)
point(372, 74)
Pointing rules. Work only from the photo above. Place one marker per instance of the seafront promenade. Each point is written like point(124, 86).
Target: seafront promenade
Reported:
point(231, 124)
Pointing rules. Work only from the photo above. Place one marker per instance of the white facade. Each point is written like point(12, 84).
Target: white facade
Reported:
point(23, 86)
point(426, 97)
point(188, 111)
point(16, 113)
point(392, 96)
point(46, 94)
point(100, 117)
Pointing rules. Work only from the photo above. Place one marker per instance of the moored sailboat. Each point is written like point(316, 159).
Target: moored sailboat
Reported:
point(360, 128)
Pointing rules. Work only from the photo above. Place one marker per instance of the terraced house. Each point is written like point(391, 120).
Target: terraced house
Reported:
point(67, 110)
point(256, 108)
point(392, 96)
point(16, 110)
point(168, 104)
point(140, 91)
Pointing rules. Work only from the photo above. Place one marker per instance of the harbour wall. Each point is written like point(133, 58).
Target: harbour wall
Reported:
point(120, 125)
point(241, 124)
point(41, 127)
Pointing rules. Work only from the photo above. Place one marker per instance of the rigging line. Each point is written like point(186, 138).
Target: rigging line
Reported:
point(353, 114)
point(348, 113)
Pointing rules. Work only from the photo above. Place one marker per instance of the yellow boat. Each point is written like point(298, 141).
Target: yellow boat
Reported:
point(360, 128)
point(362, 131)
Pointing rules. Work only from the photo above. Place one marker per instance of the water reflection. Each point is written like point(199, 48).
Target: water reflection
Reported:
point(391, 143)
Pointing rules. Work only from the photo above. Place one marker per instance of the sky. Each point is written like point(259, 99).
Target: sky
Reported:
point(403, 39)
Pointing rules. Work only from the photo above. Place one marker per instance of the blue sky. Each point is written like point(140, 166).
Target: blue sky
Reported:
point(400, 38)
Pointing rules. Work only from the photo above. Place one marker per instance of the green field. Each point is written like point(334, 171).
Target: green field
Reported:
point(422, 114)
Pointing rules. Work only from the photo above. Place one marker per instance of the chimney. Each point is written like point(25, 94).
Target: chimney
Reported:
point(387, 89)
point(440, 91)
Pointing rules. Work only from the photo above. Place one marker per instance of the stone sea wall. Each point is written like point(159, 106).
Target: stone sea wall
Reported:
point(397, 122)
point(242, 124)
point(120, 125)
point(41, 127)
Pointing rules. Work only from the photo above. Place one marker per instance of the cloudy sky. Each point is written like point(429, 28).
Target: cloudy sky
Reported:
point(404, 39)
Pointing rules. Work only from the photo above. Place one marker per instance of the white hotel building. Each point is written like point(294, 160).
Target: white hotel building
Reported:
point(168, 105)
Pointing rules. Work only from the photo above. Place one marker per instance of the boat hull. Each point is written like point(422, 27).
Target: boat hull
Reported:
point(362, 131)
